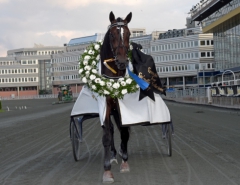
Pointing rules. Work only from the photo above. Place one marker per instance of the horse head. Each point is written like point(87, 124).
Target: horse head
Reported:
point(119, 35)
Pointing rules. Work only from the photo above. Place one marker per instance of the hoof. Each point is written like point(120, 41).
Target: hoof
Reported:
point(124, 167)
point(108, 177)
point(113, 160)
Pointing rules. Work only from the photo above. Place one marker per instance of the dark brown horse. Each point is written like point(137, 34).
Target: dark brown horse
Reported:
point(114, 60)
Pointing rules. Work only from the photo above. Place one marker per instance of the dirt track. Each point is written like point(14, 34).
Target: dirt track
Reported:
point(35, 148)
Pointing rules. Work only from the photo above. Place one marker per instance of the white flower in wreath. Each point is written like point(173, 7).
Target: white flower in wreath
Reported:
point(92, 77)
point(94, 87)
point(120, 79)
point(87, 57)
point(94, 71)
point(85, 62)
point(85, 51)
point(111, 80)
point(98, 57)
point(124, 91)
point(123, 83)
point(129, 81)
point(94, 63)
point(96, 47)
point(109, 84)
point(90, 52)
point(80, 71)
point(84, 80)
point(87, 68)
point(97, 80)
point(131, 47)
point(87, 73)
point(102, 83)
point(116, 85)
point(106, 92)
point(137, 86)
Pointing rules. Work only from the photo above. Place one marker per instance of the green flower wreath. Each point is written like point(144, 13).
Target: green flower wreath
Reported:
point(97, 83)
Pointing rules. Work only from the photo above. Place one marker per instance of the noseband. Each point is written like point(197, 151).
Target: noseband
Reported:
point(119, 25)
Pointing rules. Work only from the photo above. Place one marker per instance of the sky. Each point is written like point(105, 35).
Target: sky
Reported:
point(24, 23)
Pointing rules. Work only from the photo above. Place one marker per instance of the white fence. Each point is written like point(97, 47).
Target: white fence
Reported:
point(195, 92)
point(46, 96)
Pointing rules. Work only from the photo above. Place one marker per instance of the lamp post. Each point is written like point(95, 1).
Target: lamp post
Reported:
point(204, 76)
point(197, 67)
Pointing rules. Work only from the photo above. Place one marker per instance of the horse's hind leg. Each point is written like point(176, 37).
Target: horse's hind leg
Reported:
point(123, 149)
point(113, 149)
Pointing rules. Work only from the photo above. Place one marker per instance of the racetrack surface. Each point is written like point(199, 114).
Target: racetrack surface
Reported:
point(35, 148)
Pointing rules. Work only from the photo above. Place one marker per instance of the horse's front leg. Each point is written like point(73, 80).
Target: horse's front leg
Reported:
point(124, 131)
point(107, 141)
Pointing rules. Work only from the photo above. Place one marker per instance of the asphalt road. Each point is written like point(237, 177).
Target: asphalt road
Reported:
point(35, 148)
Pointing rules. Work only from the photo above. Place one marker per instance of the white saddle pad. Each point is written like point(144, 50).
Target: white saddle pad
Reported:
point(132, 111)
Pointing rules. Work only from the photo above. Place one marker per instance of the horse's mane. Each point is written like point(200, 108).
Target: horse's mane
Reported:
point(105, 51)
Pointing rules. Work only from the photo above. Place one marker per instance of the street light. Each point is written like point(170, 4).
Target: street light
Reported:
point(204, 76)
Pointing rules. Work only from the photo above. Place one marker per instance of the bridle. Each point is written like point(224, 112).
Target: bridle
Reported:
point(120, 65)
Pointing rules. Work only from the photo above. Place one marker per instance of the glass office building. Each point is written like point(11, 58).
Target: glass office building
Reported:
point(226, 38)
point(222, 18)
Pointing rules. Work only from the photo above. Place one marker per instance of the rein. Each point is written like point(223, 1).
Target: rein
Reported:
point(120, 44)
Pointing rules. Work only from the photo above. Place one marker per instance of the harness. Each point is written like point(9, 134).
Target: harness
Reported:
point(119, 26)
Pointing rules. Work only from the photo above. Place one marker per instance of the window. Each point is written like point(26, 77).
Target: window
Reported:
point(202, 42)
point(153, 48)
point(208, 54)
point(212, 54)
point(211, 42)
point(196, 55)
point(203, 54)
point(208, 42)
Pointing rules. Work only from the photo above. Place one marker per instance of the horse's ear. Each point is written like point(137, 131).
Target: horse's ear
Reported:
point(129, 17)
point(111, 17)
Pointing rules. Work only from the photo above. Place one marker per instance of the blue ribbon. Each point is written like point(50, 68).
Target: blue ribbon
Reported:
point(142, 83)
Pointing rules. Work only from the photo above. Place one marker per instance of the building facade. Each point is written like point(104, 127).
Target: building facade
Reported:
point(64, 66)
point(26, 71)
point(180, 59)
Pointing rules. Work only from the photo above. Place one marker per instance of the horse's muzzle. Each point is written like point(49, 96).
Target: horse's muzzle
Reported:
point(121, 64)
